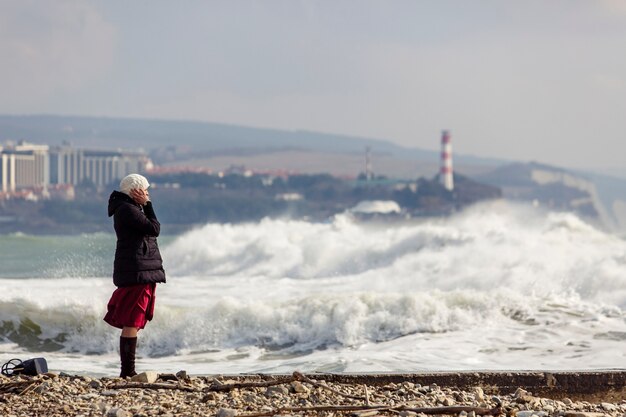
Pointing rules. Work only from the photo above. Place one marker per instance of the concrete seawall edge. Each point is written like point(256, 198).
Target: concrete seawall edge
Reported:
point(593, 386)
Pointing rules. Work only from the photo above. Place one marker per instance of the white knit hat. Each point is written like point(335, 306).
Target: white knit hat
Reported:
point(133, 181)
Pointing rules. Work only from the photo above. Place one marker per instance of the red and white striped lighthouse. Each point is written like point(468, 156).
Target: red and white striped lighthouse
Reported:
point(446, 172)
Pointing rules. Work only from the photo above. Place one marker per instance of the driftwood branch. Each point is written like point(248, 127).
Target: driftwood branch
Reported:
point(346, 408)
point(452, 410)
point(179, 387)
point(263, 384)
point(21, 386)
point(317, 408)
point(216, 387)
point(213, 387)
point(28, 388)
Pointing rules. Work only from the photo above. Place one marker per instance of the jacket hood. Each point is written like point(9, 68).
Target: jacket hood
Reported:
point(116, 199)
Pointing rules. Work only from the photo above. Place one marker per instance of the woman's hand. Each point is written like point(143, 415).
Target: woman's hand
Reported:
point(140, 196)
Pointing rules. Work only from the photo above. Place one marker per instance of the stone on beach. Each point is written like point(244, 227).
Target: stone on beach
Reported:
point(148, 377)
point(299, 387)
point(118, 412)
point(226, 412)
point(276, 391)
point(479, 395)
point(530, 413)
point(95, 384)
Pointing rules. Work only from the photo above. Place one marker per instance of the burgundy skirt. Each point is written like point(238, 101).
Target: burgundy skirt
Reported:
point(131, 306)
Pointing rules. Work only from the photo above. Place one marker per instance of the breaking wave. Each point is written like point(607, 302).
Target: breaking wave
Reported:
point(514, 275)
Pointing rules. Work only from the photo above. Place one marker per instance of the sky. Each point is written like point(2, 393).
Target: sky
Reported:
point(530, 80)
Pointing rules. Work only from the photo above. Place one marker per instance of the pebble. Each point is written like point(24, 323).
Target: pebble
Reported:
point(102, 407)
point(226, 412)
point(479, 395)
point(118, 412)
point(250, 398)
point(520, 393)
point(95, 384)
point(275, 391)
point(608, 407)
point(299, 387)
point(211, 396)
point(531, 413)
point(148, 377)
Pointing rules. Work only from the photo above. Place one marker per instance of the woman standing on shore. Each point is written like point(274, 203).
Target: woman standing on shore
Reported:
point(138, 266)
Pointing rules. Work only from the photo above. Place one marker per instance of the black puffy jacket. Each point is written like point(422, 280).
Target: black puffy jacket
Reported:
point(137, 256)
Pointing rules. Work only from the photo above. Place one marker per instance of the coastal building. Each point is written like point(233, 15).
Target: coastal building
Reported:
point(33, 166)
point(100, 167)
point(7, 172)
point(24, 165)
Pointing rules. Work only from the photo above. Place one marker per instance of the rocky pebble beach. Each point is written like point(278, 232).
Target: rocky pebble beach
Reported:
point(152, 394)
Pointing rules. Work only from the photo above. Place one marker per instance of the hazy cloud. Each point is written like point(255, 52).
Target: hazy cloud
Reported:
point(48, 47)
point(533, 80)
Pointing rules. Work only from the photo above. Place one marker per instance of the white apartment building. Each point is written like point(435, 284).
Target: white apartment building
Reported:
point(24, 165)
point(74, 166)
point(28, 165)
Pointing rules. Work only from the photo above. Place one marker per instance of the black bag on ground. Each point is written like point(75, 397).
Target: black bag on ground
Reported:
point(30, 367)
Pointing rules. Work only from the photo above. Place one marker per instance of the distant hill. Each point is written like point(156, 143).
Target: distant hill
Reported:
point(597, 198)
point(205, 139)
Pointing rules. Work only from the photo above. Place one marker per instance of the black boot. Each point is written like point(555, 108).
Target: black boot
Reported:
point(128, 345)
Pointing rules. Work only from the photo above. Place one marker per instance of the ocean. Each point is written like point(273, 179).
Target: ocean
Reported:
point(495, 287)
